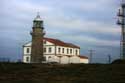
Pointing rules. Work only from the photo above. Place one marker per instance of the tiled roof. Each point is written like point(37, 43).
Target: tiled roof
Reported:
point(61, 43)
point(84, 57)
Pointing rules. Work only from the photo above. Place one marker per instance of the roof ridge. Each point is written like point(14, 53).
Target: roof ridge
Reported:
point(62, 43)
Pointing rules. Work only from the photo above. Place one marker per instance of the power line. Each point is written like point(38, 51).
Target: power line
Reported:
point(109, 58)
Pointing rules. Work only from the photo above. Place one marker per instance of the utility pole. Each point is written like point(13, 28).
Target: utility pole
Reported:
point(109, 58)
point(91, 55)
point(121, 22)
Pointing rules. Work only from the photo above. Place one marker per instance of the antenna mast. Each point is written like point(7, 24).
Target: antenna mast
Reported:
point(121, 22)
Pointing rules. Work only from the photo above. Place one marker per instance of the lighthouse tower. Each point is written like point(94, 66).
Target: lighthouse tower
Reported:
point(37, 40)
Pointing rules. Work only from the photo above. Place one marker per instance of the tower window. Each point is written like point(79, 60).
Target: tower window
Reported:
point(27, 50)
point(50, 50)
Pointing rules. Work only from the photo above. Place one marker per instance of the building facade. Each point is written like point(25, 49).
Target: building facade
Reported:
point(42, 49)
point(56, 51)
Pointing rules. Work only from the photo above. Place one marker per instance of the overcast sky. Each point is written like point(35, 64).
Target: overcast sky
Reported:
point(90, 24)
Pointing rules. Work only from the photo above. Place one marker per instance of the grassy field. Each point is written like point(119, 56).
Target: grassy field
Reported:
point(54, 73)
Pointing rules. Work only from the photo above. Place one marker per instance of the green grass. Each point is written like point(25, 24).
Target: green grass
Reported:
point(54, 73)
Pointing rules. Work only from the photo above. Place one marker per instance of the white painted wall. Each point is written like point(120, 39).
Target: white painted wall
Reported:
point(51, 57)
point(28, 44)
point(64, 60)
point(25, 58)
point(47, 49)
point(86, 61)
point(75, 59)
point(25, 50)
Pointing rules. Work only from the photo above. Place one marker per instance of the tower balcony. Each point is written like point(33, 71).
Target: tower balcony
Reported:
point(120, 21)
point(31, 33)
point(120, 14)
point(123, 5)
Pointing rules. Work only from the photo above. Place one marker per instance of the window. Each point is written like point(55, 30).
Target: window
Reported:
point(59, 50)
point(67, 51)
point(76, 52)
point(27, 50)
point(27, 59)
point(44, 49)
point(62, 50)
point(70, 51)
point(50, 50)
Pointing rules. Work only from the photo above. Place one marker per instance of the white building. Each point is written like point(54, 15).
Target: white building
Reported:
point(56, 51)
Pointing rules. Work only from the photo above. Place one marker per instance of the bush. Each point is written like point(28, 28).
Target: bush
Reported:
point(118, 61)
